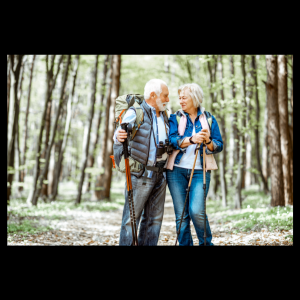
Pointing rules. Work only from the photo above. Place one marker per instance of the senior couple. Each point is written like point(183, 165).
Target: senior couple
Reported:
point(149, 185)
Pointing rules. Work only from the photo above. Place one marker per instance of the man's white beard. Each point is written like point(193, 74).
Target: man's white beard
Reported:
point(161, 106)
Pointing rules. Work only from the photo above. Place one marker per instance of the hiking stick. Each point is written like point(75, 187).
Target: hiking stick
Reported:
point(188, 191)
point(125, 126)
point(204, 190)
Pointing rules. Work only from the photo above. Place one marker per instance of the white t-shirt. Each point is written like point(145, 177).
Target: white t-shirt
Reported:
point(162, 135)
point(187, 159)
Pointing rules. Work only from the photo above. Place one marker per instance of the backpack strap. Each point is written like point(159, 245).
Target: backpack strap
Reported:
point(139, 119)
point(208, 116)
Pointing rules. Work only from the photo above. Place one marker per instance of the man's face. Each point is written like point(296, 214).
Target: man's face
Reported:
point(162, 101)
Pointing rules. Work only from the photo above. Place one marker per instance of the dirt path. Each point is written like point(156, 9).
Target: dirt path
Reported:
point(103, 228)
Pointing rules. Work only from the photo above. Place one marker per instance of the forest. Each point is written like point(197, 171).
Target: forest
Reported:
point(62, 188)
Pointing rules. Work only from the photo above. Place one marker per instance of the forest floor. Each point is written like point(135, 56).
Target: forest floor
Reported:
point(57, 224)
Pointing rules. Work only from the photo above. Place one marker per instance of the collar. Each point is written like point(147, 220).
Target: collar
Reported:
point(200, 110)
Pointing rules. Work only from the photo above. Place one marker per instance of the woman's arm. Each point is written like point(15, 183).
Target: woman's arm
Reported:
point(174, 137)
point(217, 141)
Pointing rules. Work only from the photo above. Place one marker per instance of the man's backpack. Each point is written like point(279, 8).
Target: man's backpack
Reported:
point(123, 103)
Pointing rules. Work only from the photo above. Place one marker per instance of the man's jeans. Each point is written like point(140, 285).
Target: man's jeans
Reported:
point(151, 199)
point(178, 181)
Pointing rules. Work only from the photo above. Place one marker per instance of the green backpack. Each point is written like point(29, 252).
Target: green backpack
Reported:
point(123, 103)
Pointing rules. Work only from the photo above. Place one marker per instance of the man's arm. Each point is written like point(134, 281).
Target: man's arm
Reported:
point(120, 134)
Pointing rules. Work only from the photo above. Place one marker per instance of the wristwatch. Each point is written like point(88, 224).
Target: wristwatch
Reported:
point(209, 141)
point(190, 139)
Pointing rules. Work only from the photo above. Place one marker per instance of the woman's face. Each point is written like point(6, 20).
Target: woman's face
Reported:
point(186, 101)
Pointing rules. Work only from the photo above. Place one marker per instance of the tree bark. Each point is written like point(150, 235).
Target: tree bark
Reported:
point(242, 157)
point(20, 92)
point(257, 129)
point(100, 178)
point(277, 193)
point(116, 64)
point(86, 153)
point(265, 151)
point(234, 130)
point(213, 95)
point(223, 153)
point(95, 142)
point(26, 119)
point(8, 94)
point(67, 128)
point(39, 185)
point(244, 122)
point(15, 69)
point(284, 128)
point(50, 84)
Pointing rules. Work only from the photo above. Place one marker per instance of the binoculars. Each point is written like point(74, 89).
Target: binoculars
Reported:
point(163, 148)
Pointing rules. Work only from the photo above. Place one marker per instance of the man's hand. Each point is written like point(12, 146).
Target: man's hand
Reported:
point(122, 135)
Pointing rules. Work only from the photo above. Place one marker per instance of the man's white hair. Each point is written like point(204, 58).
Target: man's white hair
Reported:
point(153, 85)
point(195, 92)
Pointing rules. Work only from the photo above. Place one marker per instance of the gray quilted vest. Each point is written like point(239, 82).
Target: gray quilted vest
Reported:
point(139, 147)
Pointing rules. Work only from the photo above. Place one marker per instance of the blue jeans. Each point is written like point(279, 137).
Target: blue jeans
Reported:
point(148, 199)
point(178, 181)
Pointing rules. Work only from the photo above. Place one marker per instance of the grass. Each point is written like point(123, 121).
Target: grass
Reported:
point(255, 214)
point(24, 219)
point(26, 227)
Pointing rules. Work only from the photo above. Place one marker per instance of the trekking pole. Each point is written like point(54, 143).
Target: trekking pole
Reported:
point(188, 191)
point(204, 189)
point(127, 127)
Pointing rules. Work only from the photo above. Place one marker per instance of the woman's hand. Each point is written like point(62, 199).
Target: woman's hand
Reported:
point(201, 136)
point(122, 135)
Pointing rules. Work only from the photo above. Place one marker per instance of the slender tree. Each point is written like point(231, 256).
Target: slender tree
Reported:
point(116, 64)
point(67, 127)
point(284, 128)
point(8, 91)
point(256, 129)
point(223, 153)
point(26, 120)
point(277, 191)
point(100, 178)
point(16, 61)
point(95, 142)
point(50, 84)
point(91, 115)
point(39, 184)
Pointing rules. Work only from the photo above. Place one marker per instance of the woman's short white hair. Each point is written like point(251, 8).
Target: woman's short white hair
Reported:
point(195, 92)
point(153, 85)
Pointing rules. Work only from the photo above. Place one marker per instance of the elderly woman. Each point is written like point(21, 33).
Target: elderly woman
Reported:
point(186, 140)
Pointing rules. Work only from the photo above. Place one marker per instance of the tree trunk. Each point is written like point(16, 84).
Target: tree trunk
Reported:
point(20, 92)
point(15, 68)
point(213, 95)
point(284, 128)
point(94, 145)
point(116, 64)
point(244, 124)
point(26, 120)
point(67, 128)
point(100, 178)
point(47, 159)
point(257, 129)
point(242, 157)
point(86, 153)
point(265, 151)
point(8, 94)
point(234, 131)
point(274, 133)
point(50, 84)
point(223, 153)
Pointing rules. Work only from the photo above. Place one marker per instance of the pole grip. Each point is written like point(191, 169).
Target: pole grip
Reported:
point(125, 143)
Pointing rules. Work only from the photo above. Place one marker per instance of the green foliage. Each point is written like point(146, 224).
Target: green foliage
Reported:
point(26, 227)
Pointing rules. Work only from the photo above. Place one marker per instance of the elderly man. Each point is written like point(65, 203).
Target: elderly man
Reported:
point(149, 185)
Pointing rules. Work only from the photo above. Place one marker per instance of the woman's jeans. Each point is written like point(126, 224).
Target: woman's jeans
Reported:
point(178, 181)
